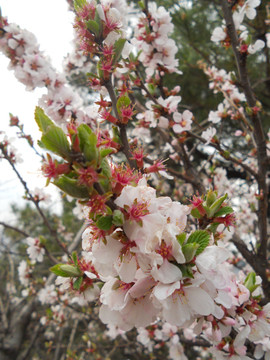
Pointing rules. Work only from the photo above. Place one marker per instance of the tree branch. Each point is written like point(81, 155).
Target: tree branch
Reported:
point(14, 228)
point(257, 125)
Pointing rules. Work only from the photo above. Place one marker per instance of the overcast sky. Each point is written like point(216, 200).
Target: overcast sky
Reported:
point(51, 22)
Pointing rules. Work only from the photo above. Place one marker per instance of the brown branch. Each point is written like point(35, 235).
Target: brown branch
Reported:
point(50, 256)
point(14, 229)
point(72, 334)
point(257, 125)
point(256, 261)
point(190, 170)
point(226, 155)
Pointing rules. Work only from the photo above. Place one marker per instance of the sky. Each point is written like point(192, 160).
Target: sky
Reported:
point(51, 22)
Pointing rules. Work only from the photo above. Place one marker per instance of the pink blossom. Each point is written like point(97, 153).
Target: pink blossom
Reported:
point(182, 121)
point(35, 250)
point(208, 135)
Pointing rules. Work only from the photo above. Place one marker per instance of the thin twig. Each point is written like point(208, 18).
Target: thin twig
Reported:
point(14, 228)
point(36, 203)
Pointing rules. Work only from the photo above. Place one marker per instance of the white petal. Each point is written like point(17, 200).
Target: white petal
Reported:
point(162, 291)
point(167, 273)
point(199, 301)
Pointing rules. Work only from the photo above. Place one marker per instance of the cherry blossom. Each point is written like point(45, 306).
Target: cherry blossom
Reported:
point(35, 250)
point(208, 134)
point(182, 121)
point(259, 44)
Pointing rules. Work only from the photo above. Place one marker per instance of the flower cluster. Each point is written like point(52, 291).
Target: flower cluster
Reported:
point(152, 38)
point(240, 10)
point(33, 69)
point(142, 260)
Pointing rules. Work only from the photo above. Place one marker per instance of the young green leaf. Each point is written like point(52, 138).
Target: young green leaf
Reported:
point(106, 169)
point(250, 282)
point(216, 206)
point(77, 283)
point(181, 238)
point(42, 119)
point(79, 4)
point(74, 257)
point(57, 270)
point(123, 101)
point(118, 218)
point(195, 213)
point(88, 142)
point(70, 270)
point(200, 237)
point(55, 140)
point(224, 211)
point(104, 222)
point(118, 48)
point(93, 27)
point(189, 251)
point(106, 151)
point(71, 187)
point(186, 270)
point(211, 197)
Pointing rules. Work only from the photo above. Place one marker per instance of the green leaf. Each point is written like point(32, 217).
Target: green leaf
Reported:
point(107, 151)
point(40, 144)
point(216, 205)
point(123, 101)
point(118, 218)
point(42, 119)
point(118, 48)
point(42, 240)
point(49, 313)
point(106, 169)
point(91, 75)
point(211, 197)
point(141, 5)
point(99, 70)
point(70, 270)
point(186, 271)
point(190, 250)
point(213, 227)
point(250, 282)
point(104, 222)
point(78, 4)
point(88, 142)
point(200, 237)
point(116, 135)
point(58, 271)
point(100, 24)
point(71, 187)
point(93, 27)
point(74, 257)
point(77, 283)
point(181, 238)
point(195, 213)
point(55, 140)
point(224, 211)
point(151, 88)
